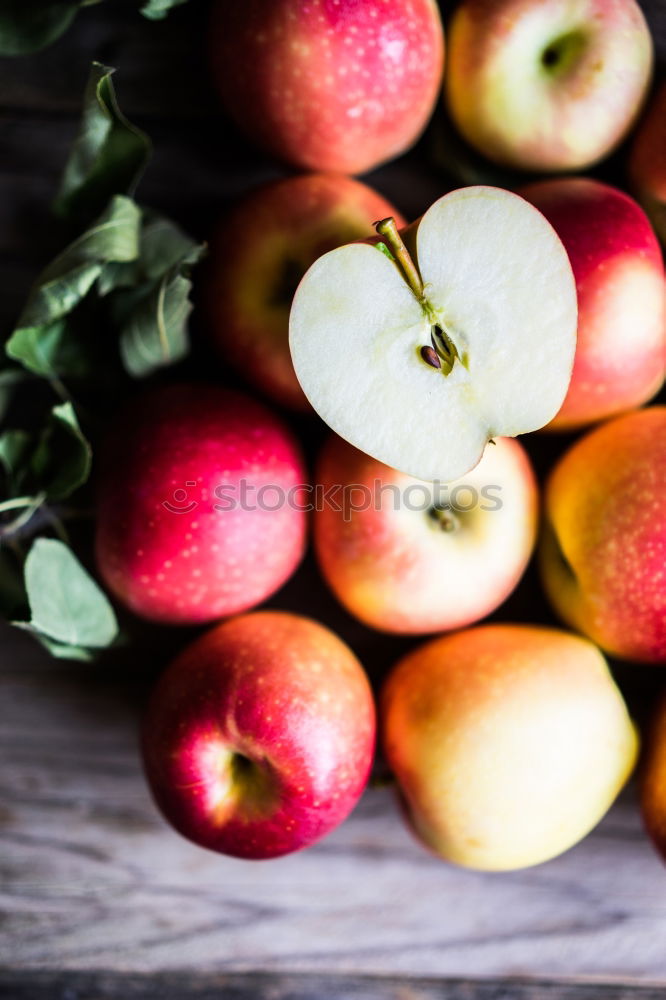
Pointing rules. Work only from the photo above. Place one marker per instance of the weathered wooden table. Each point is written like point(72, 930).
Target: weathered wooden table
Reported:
point(98, 898)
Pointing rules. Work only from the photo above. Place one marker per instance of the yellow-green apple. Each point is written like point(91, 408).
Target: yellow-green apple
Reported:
point(508, 742)
point(547, 84)
point(409, 556)
point(621, 351)
point(339, 85)
point(259, 738)
point(259, 254)
point(647, 162)
point(420, 348)
point(604, 547)
point(199, 509)
point(653, 778)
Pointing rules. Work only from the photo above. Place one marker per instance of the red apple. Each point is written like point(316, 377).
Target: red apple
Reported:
point(604, 548)
point(259, 738)
point(647, 162)
point(408, 556)
point(258, 257)
point(508, 742)
point(339, 85)
point(184, 533)
point(653, 778)
point(621, 352)
point(547, 84)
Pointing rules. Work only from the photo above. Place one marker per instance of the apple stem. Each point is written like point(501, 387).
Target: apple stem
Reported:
point(389, 230)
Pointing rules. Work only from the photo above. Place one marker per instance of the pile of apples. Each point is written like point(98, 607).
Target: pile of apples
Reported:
point(426, 348)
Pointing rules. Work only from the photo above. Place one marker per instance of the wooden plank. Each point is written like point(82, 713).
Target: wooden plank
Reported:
point(92, 878)
point(111, 986)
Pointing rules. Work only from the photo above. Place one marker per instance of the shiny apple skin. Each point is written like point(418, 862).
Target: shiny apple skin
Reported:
point(259, 254)
point(399, 570)
point(288, 696)
point(178, 564)
point(333, 85)
point(647, 162)
point(620, 360)
point(603, 553)
point(508, 743)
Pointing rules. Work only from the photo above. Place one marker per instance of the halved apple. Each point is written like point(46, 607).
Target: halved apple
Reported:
point(420, 348)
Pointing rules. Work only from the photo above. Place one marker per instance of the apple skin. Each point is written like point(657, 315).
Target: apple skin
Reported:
point(195, 564)
point(401, 571)
point(508, 742)
point(333, 85)
point(604, 547)
point(647, 162)
point(259, 737)
point(620, 357)
point(521, 111)
point(258, 256)
point(653, 778)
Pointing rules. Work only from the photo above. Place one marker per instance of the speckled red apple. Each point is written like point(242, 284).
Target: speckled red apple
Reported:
point(339, 85)
point(620, 357)
point(647, 162)
point(176, 540)
point(259, 254)
point(604, 547)
point(259, 738)
point(408, 557)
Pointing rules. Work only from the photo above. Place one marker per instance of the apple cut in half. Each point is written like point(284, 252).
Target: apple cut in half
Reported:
point(419, 348)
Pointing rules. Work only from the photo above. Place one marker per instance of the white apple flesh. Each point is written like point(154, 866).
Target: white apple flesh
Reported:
point(495, 283)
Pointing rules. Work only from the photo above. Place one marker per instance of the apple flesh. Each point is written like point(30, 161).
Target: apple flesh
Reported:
point(257, 258)
point(653, 779)
point(647, 162)
point(176, 543)
point(487, 289)
point(621, 351)
point(335, 85)
point(547, 86)
point(259, 738)
point(604, 547)
point(508, 742)
point(416, 558)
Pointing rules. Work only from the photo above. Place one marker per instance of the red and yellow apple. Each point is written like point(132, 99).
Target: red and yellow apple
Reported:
point(339, 85)
point(508, 742)
point(257, 258)
point(647, 162)
point(408, 556)
point(620, 359)
point(259, 738)
point(547, 85)
point(604, 547)
point(653, 778)
point(199, 506)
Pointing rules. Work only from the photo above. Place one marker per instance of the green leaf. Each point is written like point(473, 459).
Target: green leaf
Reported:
point(61, 651)
point(43, 341)
point(29, 25)
point(66, 605)
point(15, 450)
point(162, 245)
point(156, 10)
point(67, 280)
point(108, 156)
point(62, 460)
point(155, 334)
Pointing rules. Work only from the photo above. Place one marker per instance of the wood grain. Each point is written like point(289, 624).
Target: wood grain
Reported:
point(90, 877)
